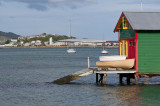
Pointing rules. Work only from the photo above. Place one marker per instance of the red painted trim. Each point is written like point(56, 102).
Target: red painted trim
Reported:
point(118, 22)
point(119, 41)
point(128, 21)
point(136, 35)
point(128, 39)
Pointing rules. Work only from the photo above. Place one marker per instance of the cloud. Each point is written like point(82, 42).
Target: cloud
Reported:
point(139, 1)
point(43, 5)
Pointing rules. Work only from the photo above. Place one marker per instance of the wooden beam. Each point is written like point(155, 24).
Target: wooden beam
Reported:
point(96, 78)
point(145, 80)
point(120, 78)
point(136, 79)
point(114, 72)
point(73, 76)
point(128, 80)
point(105, 79)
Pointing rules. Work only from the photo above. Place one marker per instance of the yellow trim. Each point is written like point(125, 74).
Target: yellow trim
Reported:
point(126, 48)
point(123, 48)
point(120, 49)
point(124, 23)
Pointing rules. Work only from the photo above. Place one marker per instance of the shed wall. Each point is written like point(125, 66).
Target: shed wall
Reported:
point(149, 52)
point(127, 34)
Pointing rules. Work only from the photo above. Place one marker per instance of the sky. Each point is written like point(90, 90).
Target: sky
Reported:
point(88, 18)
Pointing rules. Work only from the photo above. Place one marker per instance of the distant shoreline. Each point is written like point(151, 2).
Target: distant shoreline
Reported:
point(112, 47)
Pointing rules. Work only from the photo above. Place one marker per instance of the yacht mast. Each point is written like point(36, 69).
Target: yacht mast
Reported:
point(141, 6)
point(70, 27)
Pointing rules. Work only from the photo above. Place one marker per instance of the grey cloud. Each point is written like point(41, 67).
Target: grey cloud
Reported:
point(43, 5)
point(38, 7)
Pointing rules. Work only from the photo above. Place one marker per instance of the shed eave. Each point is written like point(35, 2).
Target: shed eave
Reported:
point(115, 29)
point(123, 14)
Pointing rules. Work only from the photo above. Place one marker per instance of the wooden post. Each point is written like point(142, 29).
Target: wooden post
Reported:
point(136, 79)
point(132, 81)
point(88, 63)
point(96, 78)
point(101, 78)
point(145, 80)
point(120, 78)
point(105, 78)
point(128, 79)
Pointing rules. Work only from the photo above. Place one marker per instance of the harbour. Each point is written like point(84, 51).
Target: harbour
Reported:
point(79, 53)
point(25, 82)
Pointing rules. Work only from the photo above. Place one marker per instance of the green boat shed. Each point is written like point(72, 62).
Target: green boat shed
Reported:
point(139, 38)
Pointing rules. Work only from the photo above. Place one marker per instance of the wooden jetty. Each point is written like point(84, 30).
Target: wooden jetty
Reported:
point(73, 76)
point(101, 75)
point(128, 73)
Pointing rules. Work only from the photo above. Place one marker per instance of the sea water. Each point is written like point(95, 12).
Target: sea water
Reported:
point(26, 76)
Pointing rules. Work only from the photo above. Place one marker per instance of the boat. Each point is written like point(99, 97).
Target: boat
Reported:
point(111, 58)
point(125, 64)
point(103, 51)
point(71, 50)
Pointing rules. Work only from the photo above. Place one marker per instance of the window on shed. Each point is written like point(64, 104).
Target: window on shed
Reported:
point(123, 48)
point(124, 23)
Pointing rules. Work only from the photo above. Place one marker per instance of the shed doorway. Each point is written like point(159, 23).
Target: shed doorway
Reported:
point(131, 49)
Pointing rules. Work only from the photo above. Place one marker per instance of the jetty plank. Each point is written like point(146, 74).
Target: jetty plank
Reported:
point(73, 76)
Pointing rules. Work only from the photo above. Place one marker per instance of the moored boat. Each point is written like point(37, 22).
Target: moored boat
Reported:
point(104, 52)
point(125, 64)
point(70, 50)
point(112, 58)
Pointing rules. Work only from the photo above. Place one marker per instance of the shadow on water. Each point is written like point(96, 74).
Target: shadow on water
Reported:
point(125, 95)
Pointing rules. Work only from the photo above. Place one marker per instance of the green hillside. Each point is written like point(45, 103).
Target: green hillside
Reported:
point(9, 35)
point(3, 39)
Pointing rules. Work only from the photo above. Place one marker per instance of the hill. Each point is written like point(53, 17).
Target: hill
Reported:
point(9, 35)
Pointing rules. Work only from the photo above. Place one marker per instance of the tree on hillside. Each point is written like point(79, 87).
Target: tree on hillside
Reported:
point(8, 41)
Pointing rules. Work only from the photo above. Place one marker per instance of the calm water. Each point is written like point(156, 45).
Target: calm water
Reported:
point(26, 76)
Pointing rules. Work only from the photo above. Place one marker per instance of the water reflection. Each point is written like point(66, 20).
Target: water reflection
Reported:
point(150, 95)
point(135, 95)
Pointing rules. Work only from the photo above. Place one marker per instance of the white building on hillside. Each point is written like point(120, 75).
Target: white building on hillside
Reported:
point(14, 40)
point(38, 43)
point(50, 41)
point(81, 42)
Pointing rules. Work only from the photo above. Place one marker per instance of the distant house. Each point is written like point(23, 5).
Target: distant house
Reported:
point(21, 43)
point(46, 43)
point(9, 45)
point(14, 40)
point(27, 44)
point(56, 44)
point(33, 43)
point(139, 38)
point(38, 43)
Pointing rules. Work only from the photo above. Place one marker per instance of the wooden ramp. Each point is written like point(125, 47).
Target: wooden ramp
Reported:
point(74, 76)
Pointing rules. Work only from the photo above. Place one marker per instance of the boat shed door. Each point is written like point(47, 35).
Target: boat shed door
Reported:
point(131, 49)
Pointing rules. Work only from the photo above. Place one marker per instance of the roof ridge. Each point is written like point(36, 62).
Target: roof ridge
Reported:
point(141, 11)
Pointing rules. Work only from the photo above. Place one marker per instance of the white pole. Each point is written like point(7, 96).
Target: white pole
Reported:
point(70, 27)
point(88, 63)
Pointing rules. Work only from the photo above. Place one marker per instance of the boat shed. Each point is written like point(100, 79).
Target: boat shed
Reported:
point(139, 38)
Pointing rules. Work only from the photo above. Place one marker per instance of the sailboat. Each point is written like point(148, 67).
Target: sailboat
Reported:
point(103, 51)
point(70, 50)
